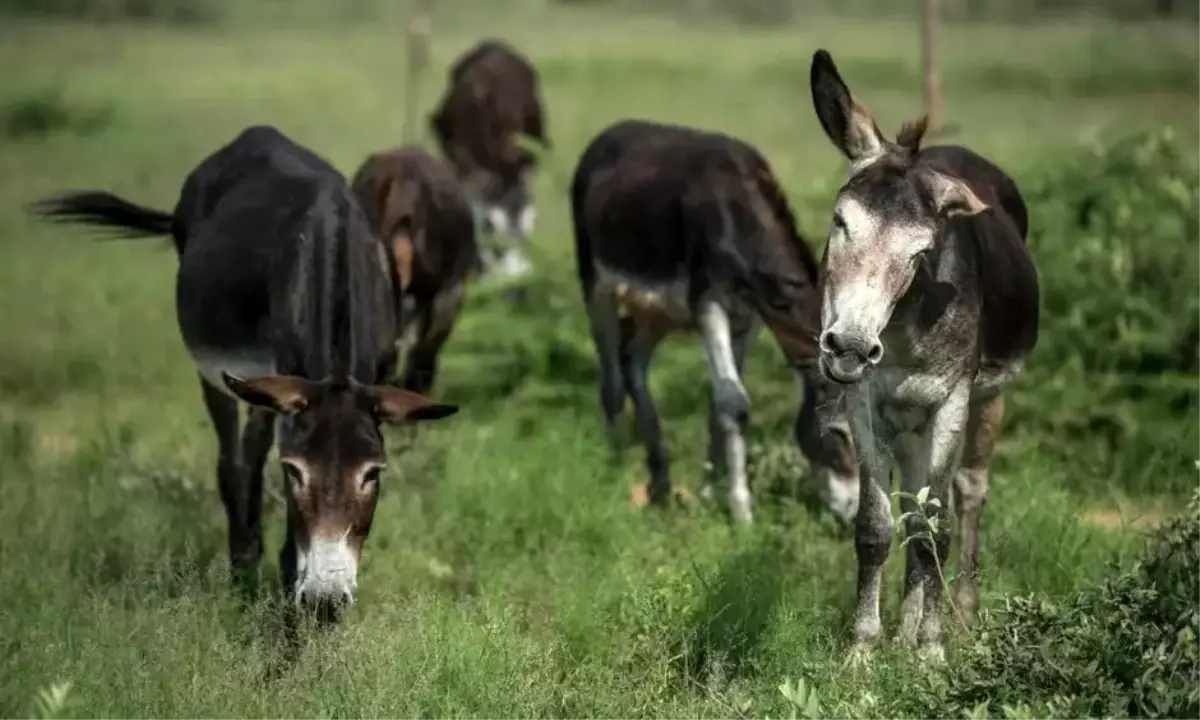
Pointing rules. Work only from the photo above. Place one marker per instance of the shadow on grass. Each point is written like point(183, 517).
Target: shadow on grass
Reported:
point(739, 602)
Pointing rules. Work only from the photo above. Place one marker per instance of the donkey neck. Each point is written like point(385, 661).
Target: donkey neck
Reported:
point(338, 294)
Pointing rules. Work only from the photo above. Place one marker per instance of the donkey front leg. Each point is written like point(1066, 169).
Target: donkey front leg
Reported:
point(932, 460)
point(970, 496)
point(718, 458)
point(872, 524)
point(730, 403)
point(223, 412)
point(637, 351)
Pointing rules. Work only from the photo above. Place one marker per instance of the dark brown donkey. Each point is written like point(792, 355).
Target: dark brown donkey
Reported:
point(929, 308)
point(683, 229)
point(286, 300)
point(493, 97)
point(415, 205)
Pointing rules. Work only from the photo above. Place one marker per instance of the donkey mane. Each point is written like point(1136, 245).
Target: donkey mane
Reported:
point(911, 133)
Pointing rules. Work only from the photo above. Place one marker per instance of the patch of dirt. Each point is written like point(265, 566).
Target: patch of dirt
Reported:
point(639, 495)
point(1116, 520)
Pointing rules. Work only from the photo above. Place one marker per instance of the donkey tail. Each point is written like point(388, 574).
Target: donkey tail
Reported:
point(103, 209)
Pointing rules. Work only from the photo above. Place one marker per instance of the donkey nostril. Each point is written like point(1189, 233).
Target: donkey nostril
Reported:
point(875, 353)
point(828, 343)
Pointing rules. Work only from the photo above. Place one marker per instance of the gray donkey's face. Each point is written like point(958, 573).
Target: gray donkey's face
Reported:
point(887, 223)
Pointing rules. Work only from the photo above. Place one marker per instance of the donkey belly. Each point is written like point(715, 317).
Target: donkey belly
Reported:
point(657, 303)
point(223, 307)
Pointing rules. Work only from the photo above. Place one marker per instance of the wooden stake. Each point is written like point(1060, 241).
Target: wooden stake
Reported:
point(418, 38)
point(929, 64)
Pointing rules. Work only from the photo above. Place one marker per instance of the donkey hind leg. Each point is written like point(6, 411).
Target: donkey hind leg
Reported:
point(637, 350)
point(606, 334)
point(223, 412)
point(421, 364)
point(872, 528)
point(730, 403)
point(970, 496)
point(934, 465)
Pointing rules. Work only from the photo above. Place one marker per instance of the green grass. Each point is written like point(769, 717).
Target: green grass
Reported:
point(506, 574)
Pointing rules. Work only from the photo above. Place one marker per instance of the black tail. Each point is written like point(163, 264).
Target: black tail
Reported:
point(105, 210)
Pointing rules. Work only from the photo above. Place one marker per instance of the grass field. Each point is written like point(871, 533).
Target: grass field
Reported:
point(506, 574)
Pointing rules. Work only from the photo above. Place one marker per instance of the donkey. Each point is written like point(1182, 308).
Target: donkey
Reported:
point(415, 205)
point(493, 97)
point(929, 308)
point(681, 229)
point(287, 301)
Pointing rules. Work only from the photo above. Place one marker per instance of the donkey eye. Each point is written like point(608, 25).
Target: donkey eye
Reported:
point(294, 475)
point(839, 222)
point(370, 478)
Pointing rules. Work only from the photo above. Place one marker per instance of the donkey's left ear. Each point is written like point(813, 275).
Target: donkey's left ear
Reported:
point(953, 197)
point(397, 406)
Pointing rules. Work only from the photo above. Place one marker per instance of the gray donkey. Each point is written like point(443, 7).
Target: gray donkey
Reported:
point(929, 307)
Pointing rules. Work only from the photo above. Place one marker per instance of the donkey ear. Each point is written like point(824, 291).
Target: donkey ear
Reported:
point(285, 394)
point(396, 406)
point(849, 125)
point(952, 197)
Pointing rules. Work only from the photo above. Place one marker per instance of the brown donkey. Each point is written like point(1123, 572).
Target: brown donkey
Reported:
point(681, 229)
point(414, 203)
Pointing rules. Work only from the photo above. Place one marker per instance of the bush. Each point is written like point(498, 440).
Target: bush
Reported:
point(1127, 648)
point(1121, 220)
point(1113, 231)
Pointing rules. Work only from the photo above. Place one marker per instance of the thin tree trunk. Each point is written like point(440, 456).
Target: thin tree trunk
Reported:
point(929, 63)
point(418, 38)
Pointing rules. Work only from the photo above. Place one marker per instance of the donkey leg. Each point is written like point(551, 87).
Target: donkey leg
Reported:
point(912, 457)
point(872, 525)
point(730, 401)
point(606, 334)
point(970, 496)
point(718, 460)
point(421, 365)
point(638, 351)
point(223, 412)
point(943, 438)
point(257, 438)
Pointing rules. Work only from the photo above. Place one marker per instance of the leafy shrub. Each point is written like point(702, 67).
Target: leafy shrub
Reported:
point(1126, 648)
point(1113, 231)
point(1121, 221)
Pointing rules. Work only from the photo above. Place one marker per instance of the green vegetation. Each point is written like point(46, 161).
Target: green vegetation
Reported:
point(506, 574)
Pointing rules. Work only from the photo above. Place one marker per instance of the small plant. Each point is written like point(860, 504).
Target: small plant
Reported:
point(932, 523)
point(52, 701)
point(802, 698)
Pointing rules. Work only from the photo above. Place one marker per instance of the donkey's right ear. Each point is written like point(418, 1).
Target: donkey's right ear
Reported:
point(285, 394)
point(849, 125)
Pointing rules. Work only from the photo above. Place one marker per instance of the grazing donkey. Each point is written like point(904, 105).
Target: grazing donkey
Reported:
point(492, 98)
point(681, 229)
point(929, 308)
point(414, 203)
point(286, 300)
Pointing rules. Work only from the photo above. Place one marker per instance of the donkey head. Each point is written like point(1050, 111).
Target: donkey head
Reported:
point(333, 455)
point(888, 222)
